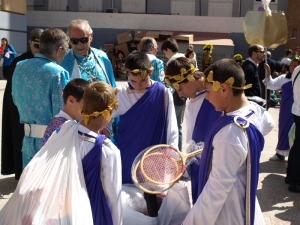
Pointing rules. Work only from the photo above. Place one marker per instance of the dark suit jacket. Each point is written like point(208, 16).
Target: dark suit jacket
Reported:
point(252, 77)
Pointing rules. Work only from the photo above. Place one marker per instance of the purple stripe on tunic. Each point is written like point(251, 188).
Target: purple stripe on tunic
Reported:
point(207, 115)
point(143, 125)
point(285, 116)
point(256, 141)
point(91, 164)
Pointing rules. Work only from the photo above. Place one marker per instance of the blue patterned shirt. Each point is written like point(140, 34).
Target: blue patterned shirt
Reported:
point(37, 90)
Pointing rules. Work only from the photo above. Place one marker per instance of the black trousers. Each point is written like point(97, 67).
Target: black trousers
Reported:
point(152, 206)
point(293, 168)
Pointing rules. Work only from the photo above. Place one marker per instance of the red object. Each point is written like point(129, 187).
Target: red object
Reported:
point(1, 50)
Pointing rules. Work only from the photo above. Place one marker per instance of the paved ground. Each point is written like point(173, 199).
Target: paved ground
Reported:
point(279, 206)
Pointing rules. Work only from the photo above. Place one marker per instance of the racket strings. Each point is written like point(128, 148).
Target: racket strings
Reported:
point(162, 165)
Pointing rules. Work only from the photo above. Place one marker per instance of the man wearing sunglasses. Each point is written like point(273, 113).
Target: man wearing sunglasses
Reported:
point(256, 55)
point(83, 61)
point(12, 129)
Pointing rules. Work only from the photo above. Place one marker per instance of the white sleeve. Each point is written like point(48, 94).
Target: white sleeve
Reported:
point(111, 177)
point(172, 129)
point(276, 83)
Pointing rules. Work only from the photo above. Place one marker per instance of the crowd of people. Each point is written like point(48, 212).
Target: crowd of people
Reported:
point(71, 135)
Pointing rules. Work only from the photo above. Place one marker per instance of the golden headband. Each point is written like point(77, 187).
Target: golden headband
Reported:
point(106, 113)
point(238, 56)
point(143, 72)
point(216, 84)
point(184, 74)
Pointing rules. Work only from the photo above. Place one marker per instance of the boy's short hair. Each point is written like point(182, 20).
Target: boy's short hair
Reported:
point(226, 68)
point(75, 88)
point(175, 66)
point(97, 97)
point(138, 61)
point(170, 43)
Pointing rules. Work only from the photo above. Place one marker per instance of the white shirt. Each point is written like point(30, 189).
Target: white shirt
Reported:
point(296, 88)
point(175, 56)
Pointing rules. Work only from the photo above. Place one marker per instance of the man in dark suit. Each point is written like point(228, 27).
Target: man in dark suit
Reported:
point(256, 55)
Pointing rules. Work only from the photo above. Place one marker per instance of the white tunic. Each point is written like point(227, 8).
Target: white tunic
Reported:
point(190, 115)
point(222, 200)
point(111, 175)
point(296, 85)
point(127, 98)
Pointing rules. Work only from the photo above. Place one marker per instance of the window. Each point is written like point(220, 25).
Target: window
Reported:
point(294, 33)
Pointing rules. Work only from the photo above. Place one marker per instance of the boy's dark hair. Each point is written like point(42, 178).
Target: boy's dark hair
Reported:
point(170, 43)
point(226, 68)
point(75, 88)
point(137, 60)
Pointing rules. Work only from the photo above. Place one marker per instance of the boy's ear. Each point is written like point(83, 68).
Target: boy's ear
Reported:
point(71, 99)
point(225, 89)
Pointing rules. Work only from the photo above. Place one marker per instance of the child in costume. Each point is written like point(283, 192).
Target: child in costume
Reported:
point(147, 116)
point(238, 58)
point(226, 194)
point(286, 120)
point(199, 114)
point(72, 94)
point(75, 178)
point(207, 58)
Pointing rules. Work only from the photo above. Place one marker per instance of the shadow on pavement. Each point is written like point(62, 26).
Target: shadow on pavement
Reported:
point(7, 186)
point(275, 198)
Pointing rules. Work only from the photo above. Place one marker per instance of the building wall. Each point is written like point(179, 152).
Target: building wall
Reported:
point(293, 20)
point(14, 28)
point(114, 23)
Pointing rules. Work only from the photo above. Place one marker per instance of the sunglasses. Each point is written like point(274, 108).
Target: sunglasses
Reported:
point(37, 46)
point(261, 51)
point(83, 40)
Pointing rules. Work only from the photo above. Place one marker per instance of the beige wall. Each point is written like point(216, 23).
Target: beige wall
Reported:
point(139, 21)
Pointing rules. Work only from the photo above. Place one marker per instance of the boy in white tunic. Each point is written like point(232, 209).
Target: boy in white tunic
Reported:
point(224, 187)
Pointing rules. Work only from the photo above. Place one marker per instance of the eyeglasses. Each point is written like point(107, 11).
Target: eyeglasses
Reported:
point(83, 40)
point(261, 51)
point(37, 46)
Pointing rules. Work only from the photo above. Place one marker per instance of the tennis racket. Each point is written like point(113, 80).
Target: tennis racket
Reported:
point(141, 182)
point(157, 168)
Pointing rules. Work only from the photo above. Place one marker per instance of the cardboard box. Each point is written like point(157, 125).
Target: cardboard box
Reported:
point(154, 34)
point(184, 37)
point(139, 34)
point(124, 37)
point(165, 34)
point(122, 47)
point(108, 47)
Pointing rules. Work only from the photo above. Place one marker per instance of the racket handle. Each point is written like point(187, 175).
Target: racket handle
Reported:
point(197, 152)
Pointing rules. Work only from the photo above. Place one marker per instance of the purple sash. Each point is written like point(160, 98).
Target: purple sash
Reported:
point(142, 126)
point(256, 141)
point(285, 116)
point(91, 164)
point(207, 115)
